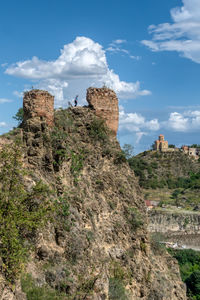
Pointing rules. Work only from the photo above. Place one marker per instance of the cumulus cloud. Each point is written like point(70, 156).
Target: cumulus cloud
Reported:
point(187, 121)
point(4, 100)
point(134, 122)
point(178, 122)
point(81, 63)
point(182, 35)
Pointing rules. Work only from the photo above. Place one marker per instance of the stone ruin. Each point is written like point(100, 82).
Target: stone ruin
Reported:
point(38, 103)
point(105, 104)
point(161, 144)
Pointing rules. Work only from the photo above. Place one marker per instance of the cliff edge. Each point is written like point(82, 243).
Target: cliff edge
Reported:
point(94, 244)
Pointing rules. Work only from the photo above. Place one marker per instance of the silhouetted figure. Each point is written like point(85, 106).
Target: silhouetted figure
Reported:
point(76, 101)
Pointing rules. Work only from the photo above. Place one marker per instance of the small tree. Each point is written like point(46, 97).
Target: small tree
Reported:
point(19, 116)
point(128, 150)
point(21, 212)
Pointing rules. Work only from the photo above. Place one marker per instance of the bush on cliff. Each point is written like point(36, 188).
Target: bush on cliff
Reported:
point(189, 262)
point(21, 212)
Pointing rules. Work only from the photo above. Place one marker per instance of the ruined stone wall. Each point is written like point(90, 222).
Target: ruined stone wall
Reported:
point(105, 103)
point(38, 103)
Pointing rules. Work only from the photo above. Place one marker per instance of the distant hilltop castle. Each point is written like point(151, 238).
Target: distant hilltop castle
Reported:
point(163, 146)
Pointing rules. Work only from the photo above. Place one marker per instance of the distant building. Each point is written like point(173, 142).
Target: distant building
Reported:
point(161, 144)
point(194, 152)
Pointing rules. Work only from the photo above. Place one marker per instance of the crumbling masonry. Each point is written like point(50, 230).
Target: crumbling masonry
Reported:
point(105, 104)
point(38, 103)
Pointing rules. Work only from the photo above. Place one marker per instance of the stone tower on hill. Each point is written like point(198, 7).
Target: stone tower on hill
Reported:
point(105, 103)
point(38, 103)
point(161, 144)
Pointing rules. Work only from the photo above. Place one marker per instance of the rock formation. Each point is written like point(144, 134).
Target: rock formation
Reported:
point(105, 103)
point(38, 103)
point(96, 245)
point(176, 225)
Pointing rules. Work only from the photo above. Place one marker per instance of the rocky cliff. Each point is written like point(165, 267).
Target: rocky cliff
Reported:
point(95, 243)
point(176, 225)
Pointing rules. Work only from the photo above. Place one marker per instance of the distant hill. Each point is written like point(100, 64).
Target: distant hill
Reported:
point(168, 176)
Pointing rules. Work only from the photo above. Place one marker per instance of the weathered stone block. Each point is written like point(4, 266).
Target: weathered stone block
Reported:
point(105, 103)
point(38, 103)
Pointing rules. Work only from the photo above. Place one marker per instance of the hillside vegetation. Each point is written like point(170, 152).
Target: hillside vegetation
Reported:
point(73, 220)
point(171, 178)
point(189, 262)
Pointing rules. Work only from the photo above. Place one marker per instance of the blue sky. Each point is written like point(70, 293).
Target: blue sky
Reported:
point(147, 51)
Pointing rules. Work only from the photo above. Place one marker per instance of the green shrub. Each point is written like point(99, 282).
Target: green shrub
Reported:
point(117, 290)
point(193, 283)
point(77, 161)
point(134, 218)
point(128, 150)
point(189, 263)
point(119, 158)
point(116, 282)
point(35, 292)
point(98, 130)
point(19, 116)
point(21, 212)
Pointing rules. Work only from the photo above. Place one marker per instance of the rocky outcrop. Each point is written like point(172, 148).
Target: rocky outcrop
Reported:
point(174, 221)
point(38, 103)
point(176, 226)
point(105, 103)
point(97, 247)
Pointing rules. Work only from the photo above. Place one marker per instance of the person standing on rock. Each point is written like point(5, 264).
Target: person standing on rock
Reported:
point(76, 101)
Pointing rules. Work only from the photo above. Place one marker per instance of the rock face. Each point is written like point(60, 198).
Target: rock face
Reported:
point(105, 103)
point(38, 103)
point(182, 227)
point(96, 247)
point(174, 222)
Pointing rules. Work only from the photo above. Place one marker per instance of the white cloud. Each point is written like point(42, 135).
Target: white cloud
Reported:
point(3, 124)
point(81, 64)
point(4, 100)
point(134, 122)
point(178, 122)
point(18, 94)
point(119, 41)
point(187, 121)
point(115, 47)
point(183, 35)
point(139, 136)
